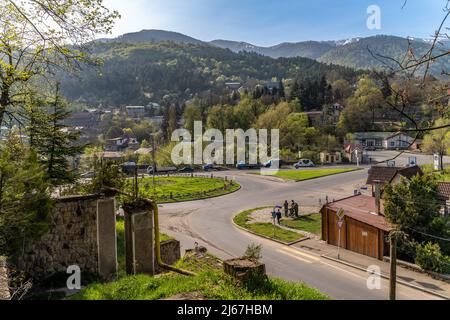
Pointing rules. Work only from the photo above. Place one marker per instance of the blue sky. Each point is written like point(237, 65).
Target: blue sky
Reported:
point(271, 22)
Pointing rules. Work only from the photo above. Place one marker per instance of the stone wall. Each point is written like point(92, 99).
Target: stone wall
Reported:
point(71, 240)
point(4, 285)
point(170, 254)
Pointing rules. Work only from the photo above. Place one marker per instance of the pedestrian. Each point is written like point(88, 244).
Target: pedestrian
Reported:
point(286, 208)
point(296, 209)
point(279, 215)
point(292, 209)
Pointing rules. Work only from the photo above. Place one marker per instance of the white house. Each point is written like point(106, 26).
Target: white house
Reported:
point(383, 140)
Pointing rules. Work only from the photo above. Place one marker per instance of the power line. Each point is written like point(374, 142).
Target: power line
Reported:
point(429, 235)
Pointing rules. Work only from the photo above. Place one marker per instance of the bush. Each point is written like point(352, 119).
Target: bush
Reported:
point(429, 257)
point(253, 252)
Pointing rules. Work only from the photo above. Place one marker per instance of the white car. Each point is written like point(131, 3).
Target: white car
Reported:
point(304, 163)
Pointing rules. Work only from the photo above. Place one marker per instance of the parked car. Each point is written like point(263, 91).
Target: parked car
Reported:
point(244, 166)
point(304, 163)
point(370, 148)
point(161, 170)
point(186, 170)
point(274, 163)
point(208, 167)
point(129, 168)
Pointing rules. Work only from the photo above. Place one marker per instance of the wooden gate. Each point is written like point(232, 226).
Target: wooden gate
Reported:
point(362, 238)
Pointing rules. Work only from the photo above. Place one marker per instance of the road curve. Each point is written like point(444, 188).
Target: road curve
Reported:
point(209, 223)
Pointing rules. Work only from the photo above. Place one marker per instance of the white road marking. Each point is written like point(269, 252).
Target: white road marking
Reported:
point(295, 256)
point(301, 253)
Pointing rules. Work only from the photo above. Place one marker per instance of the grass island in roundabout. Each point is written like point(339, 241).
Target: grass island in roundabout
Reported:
point(170, 189)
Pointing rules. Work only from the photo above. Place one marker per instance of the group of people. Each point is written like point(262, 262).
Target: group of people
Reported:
point(290, 210)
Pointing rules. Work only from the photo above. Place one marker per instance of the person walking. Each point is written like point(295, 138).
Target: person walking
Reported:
point(296, 209)
point(279, 215)
point(286, 208)
point(292, 209)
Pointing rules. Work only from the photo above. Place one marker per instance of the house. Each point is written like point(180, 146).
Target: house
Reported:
point(364, 228)
point(4, 133)
point(135, 112)
point(143, 151)
point(383, 140)
point(122, 144)
point(444, 197)
point(330, 157)
point(110, 156)
point(354, 153)
point(233, 85)
point(316, 118)
point(334, 113)
point(391, 175)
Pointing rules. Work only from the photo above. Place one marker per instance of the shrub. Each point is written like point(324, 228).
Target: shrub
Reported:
point(253, 252)
point(429, 257)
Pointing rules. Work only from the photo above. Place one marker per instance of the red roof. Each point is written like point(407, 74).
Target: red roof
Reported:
point(363, 209)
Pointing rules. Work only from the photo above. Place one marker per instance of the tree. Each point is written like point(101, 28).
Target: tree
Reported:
point(38, 37)
point(114, 132)
point(361, 107)
point(192, 113)
point(438, 141)
point(413, 207)
point(55, 144)
point(24, 198)
point(220, 117)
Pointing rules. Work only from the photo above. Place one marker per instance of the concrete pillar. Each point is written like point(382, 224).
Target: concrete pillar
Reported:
point(106, 239)
point(143, 243)
point(139, 240)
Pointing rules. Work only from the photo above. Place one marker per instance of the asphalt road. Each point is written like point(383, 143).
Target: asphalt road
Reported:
point(209, 223)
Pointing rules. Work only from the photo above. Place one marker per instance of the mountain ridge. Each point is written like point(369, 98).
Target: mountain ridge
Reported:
point(351, 52)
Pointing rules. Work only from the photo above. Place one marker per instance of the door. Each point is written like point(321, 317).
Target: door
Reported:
point(362, 238)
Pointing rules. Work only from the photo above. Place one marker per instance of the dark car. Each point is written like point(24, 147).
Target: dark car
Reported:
point(244, 166)
point(186, 170)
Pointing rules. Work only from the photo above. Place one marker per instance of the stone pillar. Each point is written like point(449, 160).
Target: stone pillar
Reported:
point(106, 238)
point(4, 285)
point(139, 239)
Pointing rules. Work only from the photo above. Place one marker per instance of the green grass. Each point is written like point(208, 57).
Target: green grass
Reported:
point(211, 283)
point(266, 229)
point(311, 223)
point(302, 175)
point(182, 188)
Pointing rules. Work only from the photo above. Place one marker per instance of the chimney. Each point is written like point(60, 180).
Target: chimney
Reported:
point(378, 195)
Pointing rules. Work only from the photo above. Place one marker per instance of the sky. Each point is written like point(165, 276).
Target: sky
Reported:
point(270, 22)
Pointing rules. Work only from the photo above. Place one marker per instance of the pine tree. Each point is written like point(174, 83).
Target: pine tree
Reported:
point(55, 144)
point(281, 92)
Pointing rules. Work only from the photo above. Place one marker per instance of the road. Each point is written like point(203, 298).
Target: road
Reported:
point(209, 223)
point(402, 160)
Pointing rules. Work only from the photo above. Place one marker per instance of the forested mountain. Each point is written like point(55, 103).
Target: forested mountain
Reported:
point(156, 36)
point(307, 49)
point(140, 73)
point(358, 54)
point(352, 53)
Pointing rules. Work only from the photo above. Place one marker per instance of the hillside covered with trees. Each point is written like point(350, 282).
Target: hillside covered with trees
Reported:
point(145, 72)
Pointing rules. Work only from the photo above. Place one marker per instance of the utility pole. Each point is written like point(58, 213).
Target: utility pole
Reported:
point(393, 265)
point(152, 137)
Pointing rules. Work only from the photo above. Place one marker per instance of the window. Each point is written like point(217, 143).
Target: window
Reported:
point(392, 143)
point(379, 143)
